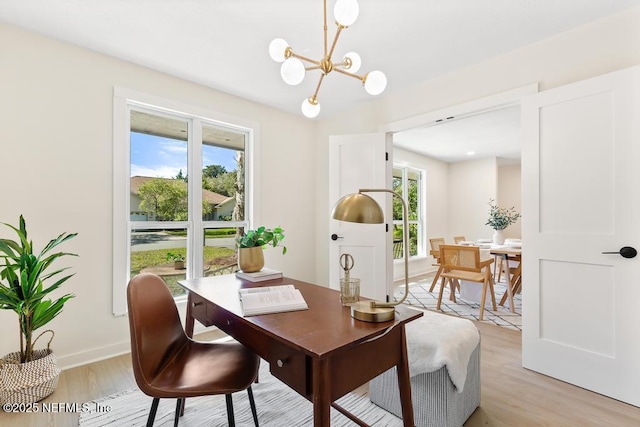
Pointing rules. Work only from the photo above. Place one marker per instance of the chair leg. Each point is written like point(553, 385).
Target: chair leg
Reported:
point(435, 279)
point(453, 285)
point(483, 299)
point(152, 413)
point(176, 418)
point(442, 285)
point(230, 416)
point(253, 406)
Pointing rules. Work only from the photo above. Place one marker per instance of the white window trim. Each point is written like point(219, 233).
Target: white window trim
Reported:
point(421, 221)
point(122, 97)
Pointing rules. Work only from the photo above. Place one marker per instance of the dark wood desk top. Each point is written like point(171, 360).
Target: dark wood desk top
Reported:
point(325, 328)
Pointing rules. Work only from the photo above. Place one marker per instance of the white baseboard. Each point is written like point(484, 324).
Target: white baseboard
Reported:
point(107, 352)
point(94, 355)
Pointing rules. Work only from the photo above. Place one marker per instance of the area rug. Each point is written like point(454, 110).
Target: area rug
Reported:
point(420, 297)
point(276, 403)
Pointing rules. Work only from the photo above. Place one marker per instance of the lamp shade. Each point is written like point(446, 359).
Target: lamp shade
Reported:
point(358, 208)
point(309, 108)
point(375, 83)
point(277, 47)
point(292, 71)
point(346, 12)
point(356, 62)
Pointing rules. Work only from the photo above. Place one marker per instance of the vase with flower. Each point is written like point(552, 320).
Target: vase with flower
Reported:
point(499, 219)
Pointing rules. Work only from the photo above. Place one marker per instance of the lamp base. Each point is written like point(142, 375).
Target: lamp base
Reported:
point(362, 310)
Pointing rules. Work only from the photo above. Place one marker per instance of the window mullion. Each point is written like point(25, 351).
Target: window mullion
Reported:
point(196, 234)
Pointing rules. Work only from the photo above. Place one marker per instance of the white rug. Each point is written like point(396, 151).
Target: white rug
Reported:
point(276, 403)
point(420, 297)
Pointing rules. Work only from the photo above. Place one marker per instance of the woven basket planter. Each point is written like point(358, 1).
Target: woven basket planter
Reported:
point(28, 382)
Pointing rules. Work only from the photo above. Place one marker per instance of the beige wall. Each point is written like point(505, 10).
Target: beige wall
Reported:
point(56, 162)
point(597, 48)
point(471, 185)
point(510, 194)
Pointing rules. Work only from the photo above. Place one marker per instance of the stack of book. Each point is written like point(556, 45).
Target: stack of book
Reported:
point(260, 276)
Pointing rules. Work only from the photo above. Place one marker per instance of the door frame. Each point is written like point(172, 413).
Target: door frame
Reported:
point(497, 101)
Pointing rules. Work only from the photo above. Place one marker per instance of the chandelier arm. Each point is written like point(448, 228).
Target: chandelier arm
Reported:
point(335, 40)
point(346, 73)
point(304, 58)
point(325, 28)
point(315, 94)
point(315, 67)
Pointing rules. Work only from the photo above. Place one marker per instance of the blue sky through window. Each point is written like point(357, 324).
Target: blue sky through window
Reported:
point(161, 157)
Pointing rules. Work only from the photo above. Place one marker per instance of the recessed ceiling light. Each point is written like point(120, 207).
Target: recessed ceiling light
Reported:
point(470, 153)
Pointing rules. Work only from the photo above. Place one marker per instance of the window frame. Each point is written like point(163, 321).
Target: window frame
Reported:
point(124, 101)
point(420, 222)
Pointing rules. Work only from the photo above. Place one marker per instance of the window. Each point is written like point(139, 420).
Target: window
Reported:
point(183, 191)
point(408, 183)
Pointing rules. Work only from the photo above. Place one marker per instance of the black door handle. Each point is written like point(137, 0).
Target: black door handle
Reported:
point(334, 236)
point(625, 252)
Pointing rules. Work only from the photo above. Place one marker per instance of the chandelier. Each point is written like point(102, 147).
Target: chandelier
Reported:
point(293, 69)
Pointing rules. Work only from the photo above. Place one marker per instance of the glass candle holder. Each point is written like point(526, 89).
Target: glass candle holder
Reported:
point(349, 291)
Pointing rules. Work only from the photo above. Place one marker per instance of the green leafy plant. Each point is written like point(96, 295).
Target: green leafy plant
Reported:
point(501, 218)
point(25, 291)
point(262, 236)
point(173, 256)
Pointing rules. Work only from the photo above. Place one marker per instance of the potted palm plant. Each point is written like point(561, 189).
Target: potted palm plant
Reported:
point(30, 375)
point(251, 244)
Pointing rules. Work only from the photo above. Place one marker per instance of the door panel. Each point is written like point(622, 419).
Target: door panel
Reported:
point(360, 161)
point(581, 148)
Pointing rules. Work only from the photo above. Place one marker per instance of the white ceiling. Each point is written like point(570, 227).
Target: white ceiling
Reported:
point(223, 44)
point(491, 134)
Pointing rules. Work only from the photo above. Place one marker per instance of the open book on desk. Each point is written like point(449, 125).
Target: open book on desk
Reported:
point(271, 299)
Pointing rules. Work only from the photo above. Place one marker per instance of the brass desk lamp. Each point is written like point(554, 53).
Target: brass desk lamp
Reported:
point(360, 208)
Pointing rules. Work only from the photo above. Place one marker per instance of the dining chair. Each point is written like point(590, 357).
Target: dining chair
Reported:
point(463, 263)
point(458, 239)
point(435, 253)
point(168, 364)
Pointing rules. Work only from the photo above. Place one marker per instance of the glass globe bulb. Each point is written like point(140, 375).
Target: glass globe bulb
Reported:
point(375, 83)
point(292, 71)
point(277, 48)
point(310, 109)
point(356, 62)
point(346, 12)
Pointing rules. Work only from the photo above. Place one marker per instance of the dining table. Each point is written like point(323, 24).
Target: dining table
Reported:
point(514, 280)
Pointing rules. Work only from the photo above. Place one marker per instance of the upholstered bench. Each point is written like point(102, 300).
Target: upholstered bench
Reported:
point(444, 366)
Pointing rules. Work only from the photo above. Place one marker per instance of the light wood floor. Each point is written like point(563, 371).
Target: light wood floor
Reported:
point(511, 395)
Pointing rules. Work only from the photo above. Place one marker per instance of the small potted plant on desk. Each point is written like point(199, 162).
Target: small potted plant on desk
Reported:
point(251, 244)
point(30, 375)
point(178, 260)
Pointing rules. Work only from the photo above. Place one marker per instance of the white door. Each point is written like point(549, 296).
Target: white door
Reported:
point(580, 177)
point(355, 162)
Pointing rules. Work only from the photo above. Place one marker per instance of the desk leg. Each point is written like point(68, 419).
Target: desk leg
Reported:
point(404, 383)
point(189, 320)
point(321, 387)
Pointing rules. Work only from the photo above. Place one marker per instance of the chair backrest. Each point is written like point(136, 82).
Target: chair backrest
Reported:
point(436, 242)
point(459, 257)
point(458, 239)
point(154, 325)
point(435, 246)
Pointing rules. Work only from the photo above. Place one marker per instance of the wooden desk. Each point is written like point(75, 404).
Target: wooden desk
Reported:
point(322, 353)
point(513, 282)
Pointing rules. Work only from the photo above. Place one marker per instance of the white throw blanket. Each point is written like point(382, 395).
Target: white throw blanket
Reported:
point(436, 340)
